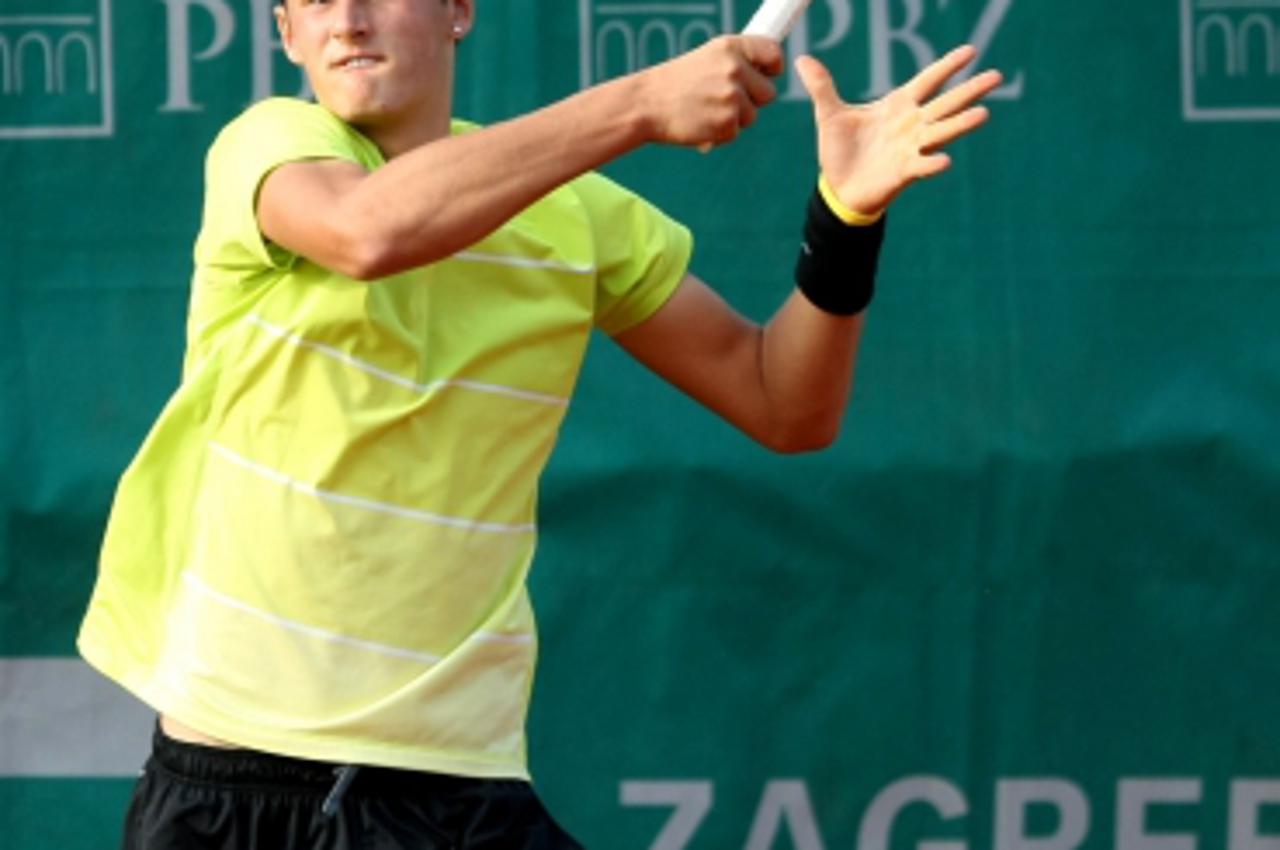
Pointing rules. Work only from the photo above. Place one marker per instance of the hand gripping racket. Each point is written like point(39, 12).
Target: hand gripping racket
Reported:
point(775, 19)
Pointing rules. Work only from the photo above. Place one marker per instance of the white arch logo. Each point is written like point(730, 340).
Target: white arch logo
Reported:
point(56, 74)
point(620, 36)
point(1231, 60)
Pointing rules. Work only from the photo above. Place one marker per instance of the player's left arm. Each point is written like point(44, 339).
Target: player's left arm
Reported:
point(787, 383)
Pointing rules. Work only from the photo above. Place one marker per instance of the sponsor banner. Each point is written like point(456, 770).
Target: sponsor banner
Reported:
point(1025, 603)
point(621, 36)
point(1231, 60)
point(56, 70)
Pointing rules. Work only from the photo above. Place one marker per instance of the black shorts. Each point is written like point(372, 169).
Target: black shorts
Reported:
point(204, 798)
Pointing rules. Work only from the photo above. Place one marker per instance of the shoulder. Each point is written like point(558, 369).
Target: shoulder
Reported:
point(279, 126)
point(594, 186)
point(618, 213)
point(607, 202)
point(280, 114)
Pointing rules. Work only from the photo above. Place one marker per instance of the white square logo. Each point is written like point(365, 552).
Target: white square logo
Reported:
point(56, 72)
point(1231, 60)
point(621, 36)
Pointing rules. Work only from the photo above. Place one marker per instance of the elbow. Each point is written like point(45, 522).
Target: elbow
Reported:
point(358, 244)
point(802, 438)
point(363, 257)
point(350, 252)
point(805, 444)
point(367, 269)
point(370, 257)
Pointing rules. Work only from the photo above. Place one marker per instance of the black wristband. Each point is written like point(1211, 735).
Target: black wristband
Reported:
point(836, 269)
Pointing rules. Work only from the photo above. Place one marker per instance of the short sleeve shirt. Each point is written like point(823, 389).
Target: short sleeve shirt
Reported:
point(321, 548)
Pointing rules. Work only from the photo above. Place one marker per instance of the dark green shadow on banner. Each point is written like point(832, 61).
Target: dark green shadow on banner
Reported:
point(63, 814)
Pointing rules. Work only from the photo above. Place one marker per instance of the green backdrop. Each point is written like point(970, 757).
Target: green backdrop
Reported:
point(1026, 602)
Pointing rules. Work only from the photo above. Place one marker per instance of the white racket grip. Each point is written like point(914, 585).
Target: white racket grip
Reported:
point(775, 18)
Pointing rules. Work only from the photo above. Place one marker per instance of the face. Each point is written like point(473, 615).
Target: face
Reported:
point(378, 64)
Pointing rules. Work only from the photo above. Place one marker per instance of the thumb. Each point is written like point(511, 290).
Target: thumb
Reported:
point(817, 81)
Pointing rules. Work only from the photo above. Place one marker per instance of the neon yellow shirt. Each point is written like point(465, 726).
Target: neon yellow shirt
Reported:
point(321, 548)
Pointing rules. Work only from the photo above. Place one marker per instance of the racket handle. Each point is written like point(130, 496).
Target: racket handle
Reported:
point(775, 18)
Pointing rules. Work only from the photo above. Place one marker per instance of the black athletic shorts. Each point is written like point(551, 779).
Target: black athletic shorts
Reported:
point(205, 798)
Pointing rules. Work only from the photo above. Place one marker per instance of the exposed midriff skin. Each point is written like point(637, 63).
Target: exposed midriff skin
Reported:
point(182, 732)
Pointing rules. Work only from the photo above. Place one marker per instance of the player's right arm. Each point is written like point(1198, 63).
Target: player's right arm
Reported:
point(440, 197)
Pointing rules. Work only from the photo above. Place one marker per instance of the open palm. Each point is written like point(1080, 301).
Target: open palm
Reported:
point(871, 152)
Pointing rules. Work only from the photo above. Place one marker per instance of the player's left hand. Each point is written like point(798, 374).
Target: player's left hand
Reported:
point(871, 152)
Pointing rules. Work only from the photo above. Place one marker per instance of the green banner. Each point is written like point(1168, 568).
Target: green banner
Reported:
point(1026, 602)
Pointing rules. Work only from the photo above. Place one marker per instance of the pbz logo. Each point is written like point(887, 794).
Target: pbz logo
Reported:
point(621, 36)
point(55, 71)
point(1231, 60)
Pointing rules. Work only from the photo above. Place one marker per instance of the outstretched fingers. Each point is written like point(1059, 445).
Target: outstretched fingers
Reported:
point(930, 166)
point(962, 96)
point(926, 83)
point(942, 133)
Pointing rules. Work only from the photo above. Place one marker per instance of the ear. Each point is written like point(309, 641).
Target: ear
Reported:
point(285, 27)
point(463, 17)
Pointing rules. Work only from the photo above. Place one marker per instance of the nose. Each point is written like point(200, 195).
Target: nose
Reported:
point(350, 19)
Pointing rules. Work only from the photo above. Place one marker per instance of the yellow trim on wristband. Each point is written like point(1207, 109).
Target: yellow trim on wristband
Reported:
point(842, 212)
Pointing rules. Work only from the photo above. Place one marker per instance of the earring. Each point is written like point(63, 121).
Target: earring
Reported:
point(457, 30)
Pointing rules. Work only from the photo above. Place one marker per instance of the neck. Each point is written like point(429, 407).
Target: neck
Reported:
point(396, 138)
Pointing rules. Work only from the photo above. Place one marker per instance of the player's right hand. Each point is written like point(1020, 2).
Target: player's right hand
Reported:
point(709, 95)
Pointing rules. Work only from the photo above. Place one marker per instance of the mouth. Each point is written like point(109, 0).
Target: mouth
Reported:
point(357, 62)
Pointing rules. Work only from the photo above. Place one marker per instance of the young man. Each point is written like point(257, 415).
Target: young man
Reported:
point(315, 567)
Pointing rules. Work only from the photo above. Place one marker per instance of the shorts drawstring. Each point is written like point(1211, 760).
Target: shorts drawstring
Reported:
point(346, 775)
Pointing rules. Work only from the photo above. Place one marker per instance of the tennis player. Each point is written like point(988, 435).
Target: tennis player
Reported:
point(315, 566)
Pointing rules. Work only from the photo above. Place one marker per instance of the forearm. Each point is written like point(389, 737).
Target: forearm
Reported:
point(807, 359)
point(785, 384)
point(435, 200)
point(810, 346)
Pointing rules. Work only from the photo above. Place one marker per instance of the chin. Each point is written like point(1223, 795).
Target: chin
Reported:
point(355, 113)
